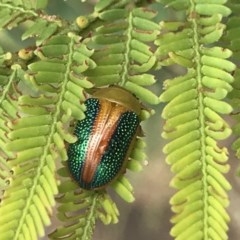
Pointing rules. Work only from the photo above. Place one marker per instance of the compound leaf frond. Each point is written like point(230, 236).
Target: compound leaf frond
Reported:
point(8, 112)
point(122, 52)
point(233, 38)
point(194, 124)
point(38, 136)
point(78, 210)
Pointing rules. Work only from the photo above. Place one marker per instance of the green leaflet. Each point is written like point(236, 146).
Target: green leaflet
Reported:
point(180, 130)
point(218, 63)
point(113, 14)
point(134, 166)
point(103, 4)
point(193, 121)
point(123, 189)
point(145, 13)
point(143, 79)
point(210, 9)
point(136, 162)
point(210, 20)
point(213, 36)
point(176, 4)
point(218, 106)
point(142, 93)
point(221, 53)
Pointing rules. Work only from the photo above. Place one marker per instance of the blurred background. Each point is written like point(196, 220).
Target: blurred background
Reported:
point(149, 216)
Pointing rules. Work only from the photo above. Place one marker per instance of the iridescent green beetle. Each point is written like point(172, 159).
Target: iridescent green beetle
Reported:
point(105, 137)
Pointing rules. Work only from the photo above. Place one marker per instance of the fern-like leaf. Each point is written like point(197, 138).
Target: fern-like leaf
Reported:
point(8, 112)
point(38, 137)
point(123, 57)
point(14, 12)
point(193, 119)
point(79, 210)
point(233, 38)
point(122, 53)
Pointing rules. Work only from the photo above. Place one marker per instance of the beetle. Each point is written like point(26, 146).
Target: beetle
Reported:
point(105, 137)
